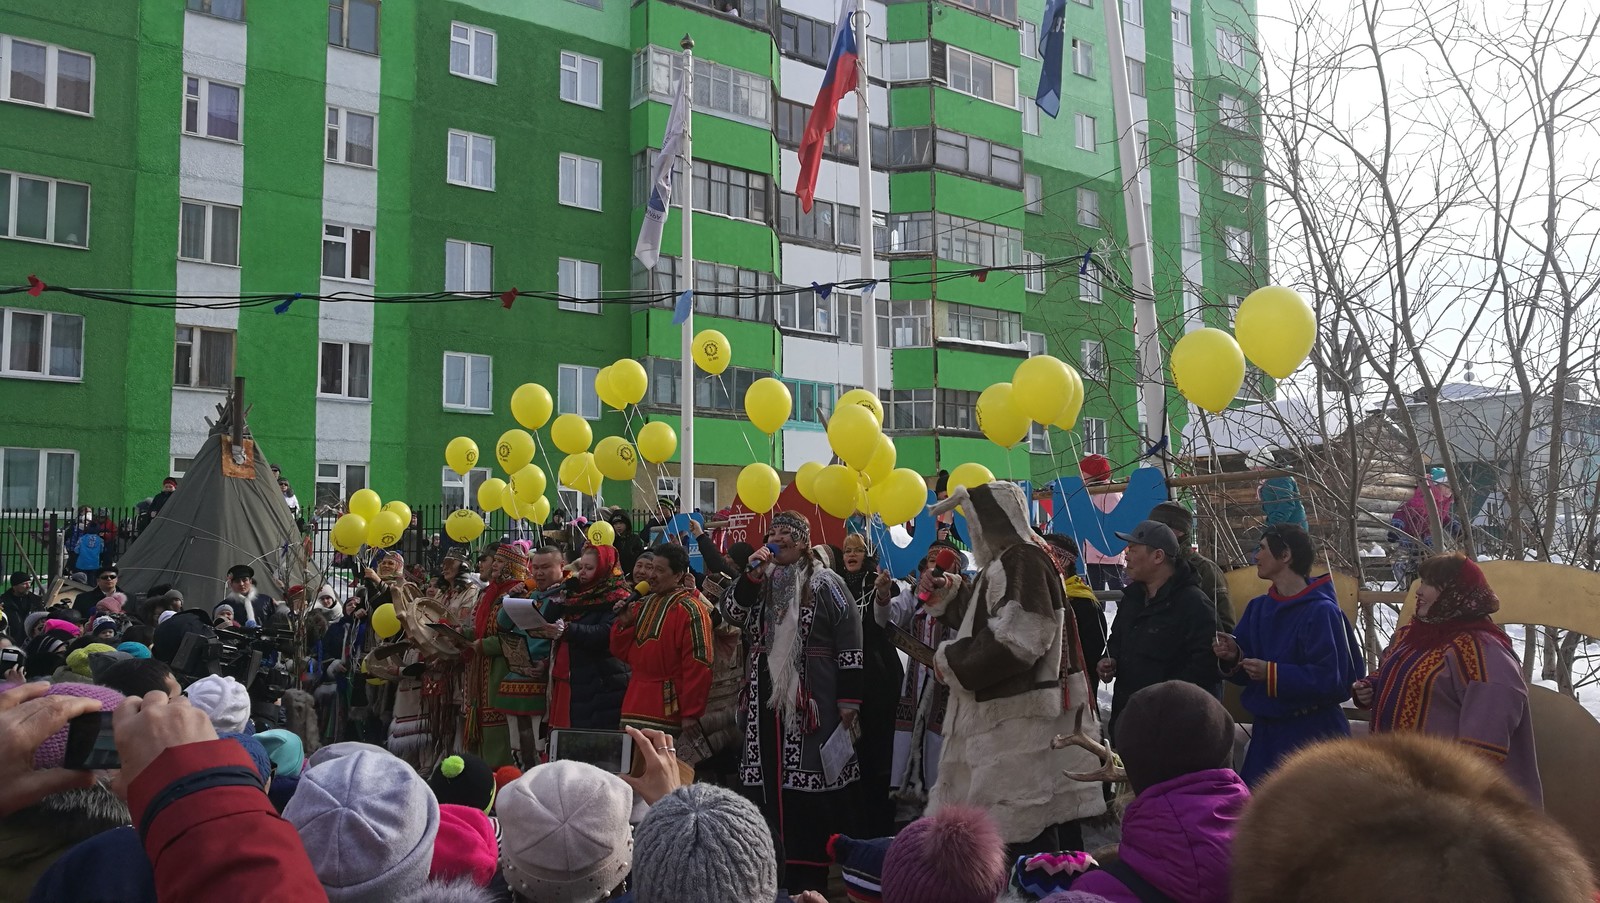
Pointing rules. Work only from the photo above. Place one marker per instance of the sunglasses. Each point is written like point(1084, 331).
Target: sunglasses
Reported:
point(108, 576)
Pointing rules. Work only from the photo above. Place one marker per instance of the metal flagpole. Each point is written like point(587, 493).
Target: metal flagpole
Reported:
point(687, 497)
point(869, 295)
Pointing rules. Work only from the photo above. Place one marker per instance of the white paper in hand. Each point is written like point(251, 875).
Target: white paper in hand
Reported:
point(837, 753)
point(524, 613)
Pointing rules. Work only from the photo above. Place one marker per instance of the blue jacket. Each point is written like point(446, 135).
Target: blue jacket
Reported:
point(1311, 651)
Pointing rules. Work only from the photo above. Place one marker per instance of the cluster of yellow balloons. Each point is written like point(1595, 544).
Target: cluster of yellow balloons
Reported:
point(868, 480)
point(370, 522)
point(1276, 329)
point(621, 384)
point(1043, 390)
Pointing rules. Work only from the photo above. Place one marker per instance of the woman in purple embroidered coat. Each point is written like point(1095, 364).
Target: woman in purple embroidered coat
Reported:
point(1452, 672)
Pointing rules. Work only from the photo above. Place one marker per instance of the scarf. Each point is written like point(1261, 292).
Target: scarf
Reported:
point(789, 590)
point(1464, 606)
point(600, 592)
point(858, 582)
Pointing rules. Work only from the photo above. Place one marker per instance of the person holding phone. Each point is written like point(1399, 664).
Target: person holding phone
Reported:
point(666, 640)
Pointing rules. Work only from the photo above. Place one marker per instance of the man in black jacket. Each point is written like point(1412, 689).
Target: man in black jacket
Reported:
point(1164, 623)
point(19, 602)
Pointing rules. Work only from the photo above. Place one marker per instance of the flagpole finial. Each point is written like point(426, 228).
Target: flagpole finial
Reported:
point(687, 43)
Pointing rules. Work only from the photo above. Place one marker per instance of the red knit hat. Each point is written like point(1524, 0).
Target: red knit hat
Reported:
point(1095, 467)
point(953, 856)
point(504, 775)
point(465, 846)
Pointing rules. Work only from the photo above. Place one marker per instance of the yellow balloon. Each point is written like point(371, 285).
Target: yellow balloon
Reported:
point(1068, 418)
point(366, 503)
point(628, 381)
point(541, 510)
point(384, 621)
point(853, 434)
point(463, 525)
point(999, 417)
point(865, 399)
point(805, 480)
point(970, 474)
point(616, 458)
point(900, 496)
point(461, 454)
point(712, 351)
point(881, 464)
point(1042, 387)
point(384, 530)
point(528, 484)
point(514, 450)
point(349, 532)
point(836, 488)
point(759, 487)
point(531, 405)
point(490, 494)
point(1208, 368)
point(1276, 329)
point(767, 403)
point(401, 510)
point(509, 503)
point(578, 472)
point(571, 434)
point(602, 389)
point(601, 533)
point(863, 495)
point(657, 441)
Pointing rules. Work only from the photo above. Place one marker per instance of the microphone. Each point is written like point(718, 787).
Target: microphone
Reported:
point(753, 563)
point(946, 560)
point(641, 589)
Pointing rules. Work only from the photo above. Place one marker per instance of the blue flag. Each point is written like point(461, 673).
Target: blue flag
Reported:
point(1052, 43)
point(685, 304)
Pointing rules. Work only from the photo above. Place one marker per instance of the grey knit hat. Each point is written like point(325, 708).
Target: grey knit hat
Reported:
point(564, 833)
point(368, 824)
point(701, 837)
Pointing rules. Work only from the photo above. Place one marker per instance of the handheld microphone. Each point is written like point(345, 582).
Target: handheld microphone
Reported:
point(753, 563)
point(946, 560)
point(641, 589)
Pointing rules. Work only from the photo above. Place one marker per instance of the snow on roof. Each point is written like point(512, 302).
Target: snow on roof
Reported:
point(1282, 423)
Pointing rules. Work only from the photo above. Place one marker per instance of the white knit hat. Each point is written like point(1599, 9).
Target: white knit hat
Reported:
point(224, 700)
point(566, 837)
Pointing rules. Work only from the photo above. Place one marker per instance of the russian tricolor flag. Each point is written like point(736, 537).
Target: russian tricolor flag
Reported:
point(839, 80)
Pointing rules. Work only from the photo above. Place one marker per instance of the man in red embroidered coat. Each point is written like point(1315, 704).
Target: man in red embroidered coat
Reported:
point(666, 638)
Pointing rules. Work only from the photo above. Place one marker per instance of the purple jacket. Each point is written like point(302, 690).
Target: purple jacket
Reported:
point(1177, 835)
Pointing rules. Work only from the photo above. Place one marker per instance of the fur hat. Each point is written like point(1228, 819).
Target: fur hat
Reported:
point(1401, 816)
point(955, 855)
point(52, 752)
point(1171, 729)
point(566, 837)
point(465, 846)
point(463, 779)
point(224, 700)
point(461, 890)
point(703, 836)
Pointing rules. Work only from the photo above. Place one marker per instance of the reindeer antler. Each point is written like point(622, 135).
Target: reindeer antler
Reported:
point(1109, 771)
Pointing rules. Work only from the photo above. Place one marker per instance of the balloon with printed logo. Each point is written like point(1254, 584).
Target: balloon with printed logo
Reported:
point(528, 484)
point(711, 351)
point(900, 496)
point(629, 381)
point(882, 461)
point(349, 532)
point(385, 623)
point(401, 510)
point(853, 435)
point(759, 486)
point(865, 399)
point(514, 450)
point(1208, 368)
point(541, 510)
point(657, 441)
point(579, 472)
point(571, 434)
point(1276, 329)
point(463, 525)
point(805, 480)
point(601, 534)
point(999, 417)
point(366, 503)
point(384, 530)
point(461, 454)
point(836, 488)
point(767, 403)
point(616, 458)
point(603, 391)
point(491, 493)
point(1041, 387)
point(1068, 418)
point(531, 405)
point(970, 474)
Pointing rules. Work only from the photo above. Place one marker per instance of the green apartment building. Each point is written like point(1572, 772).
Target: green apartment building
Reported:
point(219, 150)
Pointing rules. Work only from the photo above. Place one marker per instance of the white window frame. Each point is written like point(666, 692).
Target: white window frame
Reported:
point(578, 279)
point(338, 127)
point(1240, 244)
point(197, 339)
point(340, 477)
point(1094, 436)
point(41, 498)
point(1180, 28)
point(1032, 193)
point(469, 143)
point(1002, 77)
point(1030, 40)
point(583, 393)
point(46, 340)
point(1133, 12)
point(473, 275)
point(467, 403)
point(1030, 115)
point(1036, 342)
point(201, 100)
point(1188, 164)
point(576, 165)
point(576, 64)
point(1082, 58)
point(908, 61)
point(347, 238)
point(345, 392)
point(792, 303)
point(180, 467)
point(1089, 208)
point(1084, 133)
point(1232, 308)
point(209, 226)
point(470, 41)
point(1038, 439)
point(1230, 47)
point(1033, 279)
point(1236, 178)
point(575, 503)
point(52, 75)
point(344, 25)
point(1189, 232)
point(701, 485)
point(1233, 112)
point(1136, 73)
point(9, 215)
point(1183, 94)
point(452, 483)
point(1089, 289)
point(1092, 359)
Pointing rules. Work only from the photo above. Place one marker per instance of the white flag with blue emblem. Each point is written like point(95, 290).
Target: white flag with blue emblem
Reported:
point(648, 250)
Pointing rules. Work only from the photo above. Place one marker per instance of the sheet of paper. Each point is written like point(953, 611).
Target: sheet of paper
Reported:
point(524, 613)
point(836, 753)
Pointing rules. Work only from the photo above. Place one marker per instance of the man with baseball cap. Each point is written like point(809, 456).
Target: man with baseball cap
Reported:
point(1212, 581)
point(1164, 624)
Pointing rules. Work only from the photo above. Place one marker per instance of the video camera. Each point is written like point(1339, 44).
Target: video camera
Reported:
point(259, 658)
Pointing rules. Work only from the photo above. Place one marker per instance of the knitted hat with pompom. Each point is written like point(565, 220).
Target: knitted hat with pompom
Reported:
point(953, 856)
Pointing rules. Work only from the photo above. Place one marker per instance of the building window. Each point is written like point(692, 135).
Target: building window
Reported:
point(1033, 279)
point(1089, 290)
point(1180, 27)
point(720, 290)
point(346, 370)
point(222, 9)
point(573, 502)
point(981, 77)
point(908, 61)
point(1183, 94)
point(973, 156)
point(1092, 359)
point(457, 491)
point(723, 189)
point(208, 233)
point(575, 389)
point(468, 381)
point(39, 345)
point(1089, 208)
point(1000, 9)
point(813, 401)
point(1036, 343)
point(805, 310)
point(982, 324)
point(956, 238)
point(958, 410)
point(908, 409)
point(1136, 77)
point(1030, 116)
point(337, 481)
point(471, 160)
point(203, 358)
point(580, 182)
point(1033, 193)
point(1188, 167)
point(352, 137)
point(1239, 250)
point(1030, 40)
point(718, 90)
point(1189, 232)
point(1133, 12)
point(472, 52)
point(1236, 178)
point(1094, 436)
point(212, 109)
point(468, 266)
point(580, 79)
point(910, 323)
point(45, 75)
point(842, 143)
point(795, 222)
point(180, 466)
point(578, 279)
point(1233, 113)
point(1038, 439)
point(1082, 58)
point(1083, 124)
point(347, 253)
point(850, 324)
point(38, 478)
point(809, 39)
point(353, 25)
point(1230, 47)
